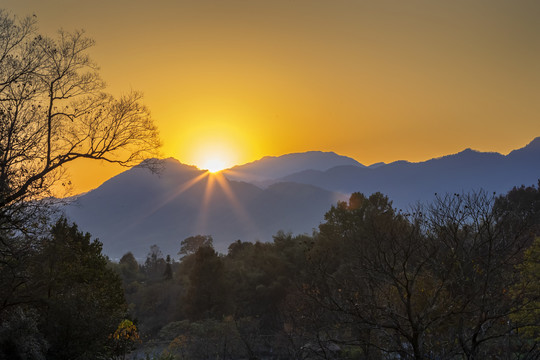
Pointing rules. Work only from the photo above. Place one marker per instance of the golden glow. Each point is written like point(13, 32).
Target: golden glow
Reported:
point(213, 184)
point(380, 81)
point(217, 182)
point(178, 192)
point(213, 164)
point(237, 206)
point(212, 147)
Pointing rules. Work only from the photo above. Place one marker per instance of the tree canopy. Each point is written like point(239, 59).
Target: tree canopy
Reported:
point(72, 295)
point(453, 279)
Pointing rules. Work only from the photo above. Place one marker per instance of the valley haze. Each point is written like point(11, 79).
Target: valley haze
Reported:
point(252, 202)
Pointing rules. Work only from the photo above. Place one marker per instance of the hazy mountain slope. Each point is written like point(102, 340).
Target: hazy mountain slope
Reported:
point(137, 208)
point(527, 155)
point(272, 167)
point(406, 183)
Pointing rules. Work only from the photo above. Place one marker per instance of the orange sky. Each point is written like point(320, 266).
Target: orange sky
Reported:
point(378, 80)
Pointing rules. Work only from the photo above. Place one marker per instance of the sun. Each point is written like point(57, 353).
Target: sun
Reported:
point(213, 164)
point(213, 152)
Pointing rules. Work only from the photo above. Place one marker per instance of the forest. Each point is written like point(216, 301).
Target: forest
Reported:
point(454, 279)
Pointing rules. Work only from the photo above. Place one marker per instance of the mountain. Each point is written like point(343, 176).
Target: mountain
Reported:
point(266, 170)
point(139, 208)
point(407, 183)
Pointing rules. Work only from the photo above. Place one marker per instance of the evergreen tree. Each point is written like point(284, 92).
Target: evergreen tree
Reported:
point(81, 299)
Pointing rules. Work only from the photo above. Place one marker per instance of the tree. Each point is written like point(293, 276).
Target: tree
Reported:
point(260, 276)
point(124, 339)
point(190, 245)
point(80, 298)
point(527, 291)
point(154, 266)
point(435, 283)
point(168, 273)
point(20, 338)
point(128, 267)
point(53, 111)
point(207, 295)
point(368, 268)
point(478, 261)
point(521, 210)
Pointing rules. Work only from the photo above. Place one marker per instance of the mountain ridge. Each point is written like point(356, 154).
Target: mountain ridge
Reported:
point(273, 167)
point(140, 207)
point(408, 182)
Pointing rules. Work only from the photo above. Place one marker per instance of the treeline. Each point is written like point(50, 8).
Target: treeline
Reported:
point(457, 279)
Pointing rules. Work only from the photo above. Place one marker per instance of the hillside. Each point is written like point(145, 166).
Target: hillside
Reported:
point(138, 208)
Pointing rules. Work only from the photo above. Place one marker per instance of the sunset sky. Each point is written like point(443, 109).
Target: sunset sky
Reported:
point(378, 80)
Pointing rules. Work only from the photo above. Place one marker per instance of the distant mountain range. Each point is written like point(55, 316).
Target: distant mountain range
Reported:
point(271, 168)
point(138, 208)
point(406, 183)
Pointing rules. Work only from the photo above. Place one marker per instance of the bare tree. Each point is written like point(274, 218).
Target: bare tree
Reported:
point(435, 283)
point(53, 110)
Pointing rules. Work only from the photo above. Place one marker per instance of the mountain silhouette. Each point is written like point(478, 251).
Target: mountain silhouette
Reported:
point(139, 208)
point(270, 168)
point(407, 183)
